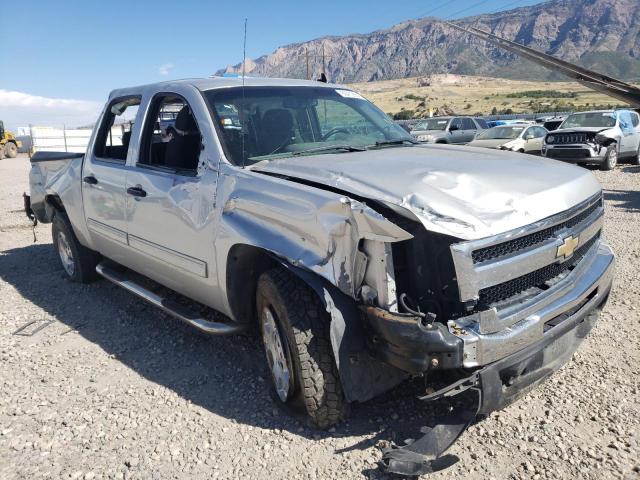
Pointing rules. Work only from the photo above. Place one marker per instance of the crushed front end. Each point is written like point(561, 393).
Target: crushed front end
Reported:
point(577, 147)
point(506, 311)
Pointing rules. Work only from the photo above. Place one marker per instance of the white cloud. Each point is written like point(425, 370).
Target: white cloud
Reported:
point(165, 68)
point(19, 109)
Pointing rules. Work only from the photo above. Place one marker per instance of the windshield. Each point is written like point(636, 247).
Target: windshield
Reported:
point(596, 119)
point(502, 133)
point(265, 123)
point(432, 124)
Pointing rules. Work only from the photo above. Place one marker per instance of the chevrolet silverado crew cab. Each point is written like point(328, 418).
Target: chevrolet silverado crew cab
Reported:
point(600, 137)
point(361, 257)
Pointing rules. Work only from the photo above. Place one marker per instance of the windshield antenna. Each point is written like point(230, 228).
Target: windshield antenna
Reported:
point(242, 113)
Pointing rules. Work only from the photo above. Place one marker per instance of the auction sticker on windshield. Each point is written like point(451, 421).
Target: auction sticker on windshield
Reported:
point(349, 94)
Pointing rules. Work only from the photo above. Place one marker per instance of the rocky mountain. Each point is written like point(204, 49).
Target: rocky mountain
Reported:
point(599, 34)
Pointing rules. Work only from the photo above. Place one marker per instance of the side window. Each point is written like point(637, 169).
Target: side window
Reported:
point(171, 139)
point(540, 132)
point(482, 123)
point(337, 121)
point(467, 124)
point(456, 123)
point(112, 142)
point(533, 132)
point(635, 120)
point(625, 121)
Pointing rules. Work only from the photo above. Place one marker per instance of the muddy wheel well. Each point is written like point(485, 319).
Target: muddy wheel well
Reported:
point(245, 264)
point(53, 204)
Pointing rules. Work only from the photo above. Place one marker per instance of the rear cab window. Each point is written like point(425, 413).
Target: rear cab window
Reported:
point(171, 140)
point(114, 135)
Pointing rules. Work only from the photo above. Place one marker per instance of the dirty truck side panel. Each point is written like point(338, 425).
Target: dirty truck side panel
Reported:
point(310, 228)
point(56, 181)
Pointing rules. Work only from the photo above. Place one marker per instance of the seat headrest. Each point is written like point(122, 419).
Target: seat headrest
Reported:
point(279, 118)
point(185, 123)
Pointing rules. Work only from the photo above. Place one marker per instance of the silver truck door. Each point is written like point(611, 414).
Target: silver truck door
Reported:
point(170, 199)
point(103, 178)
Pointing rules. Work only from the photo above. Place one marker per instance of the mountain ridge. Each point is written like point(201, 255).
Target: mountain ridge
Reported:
point(425, 46)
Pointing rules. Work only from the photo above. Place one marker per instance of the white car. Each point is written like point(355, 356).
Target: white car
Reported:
point(517, 137)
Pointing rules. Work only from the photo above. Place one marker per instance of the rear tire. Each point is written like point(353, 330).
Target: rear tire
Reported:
point(1, 152)
point(295, 332)
point(78, 261)
point(610, 159)
point(11, 150)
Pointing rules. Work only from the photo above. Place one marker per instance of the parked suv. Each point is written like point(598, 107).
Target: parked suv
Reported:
point(455, 130)
point(361, 257)
point(600, 137)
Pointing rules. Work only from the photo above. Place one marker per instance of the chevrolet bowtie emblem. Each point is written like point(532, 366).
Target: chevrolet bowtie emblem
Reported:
point(568, 247)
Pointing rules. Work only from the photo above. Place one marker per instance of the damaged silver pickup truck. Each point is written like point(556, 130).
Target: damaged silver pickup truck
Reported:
point(362, 257)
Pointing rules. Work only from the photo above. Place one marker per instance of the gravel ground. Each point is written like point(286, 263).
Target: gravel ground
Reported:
point(112, 388)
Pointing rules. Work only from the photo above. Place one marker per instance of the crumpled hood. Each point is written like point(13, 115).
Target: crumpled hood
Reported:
point(580, 130)
point(465, 192)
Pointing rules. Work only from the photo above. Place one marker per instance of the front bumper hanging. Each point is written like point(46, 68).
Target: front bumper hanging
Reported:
point(495, 386)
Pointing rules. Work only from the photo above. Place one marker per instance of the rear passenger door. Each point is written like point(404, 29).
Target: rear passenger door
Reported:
point(170, 196)
point(104, 176)
point(469, 129)
point(457, 132)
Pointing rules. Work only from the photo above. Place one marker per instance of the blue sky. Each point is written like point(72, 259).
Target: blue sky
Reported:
point(80, 50)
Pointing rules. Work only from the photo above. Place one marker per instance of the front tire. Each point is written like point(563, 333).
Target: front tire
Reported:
point(636, 160)
point(610, 159)
point(11, 150)
point(78, 262)
point(295, 332)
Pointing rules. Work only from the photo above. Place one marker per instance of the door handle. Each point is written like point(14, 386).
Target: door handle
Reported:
point(136, 192)
point(91, 180)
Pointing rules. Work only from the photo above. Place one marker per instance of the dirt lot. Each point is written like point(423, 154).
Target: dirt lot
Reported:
point(115, 389)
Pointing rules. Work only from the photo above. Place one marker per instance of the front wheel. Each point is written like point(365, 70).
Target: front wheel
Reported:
point(11, 150)
point(295, 333)
point(610, 159)
point(636, 160)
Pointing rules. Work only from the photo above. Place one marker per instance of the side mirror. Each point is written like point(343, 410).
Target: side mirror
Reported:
point(453, 127)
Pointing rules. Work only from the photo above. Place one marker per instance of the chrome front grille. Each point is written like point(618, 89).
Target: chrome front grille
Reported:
point(538, 280)
point(532, 240)
point(569, 138)
point(493, 269)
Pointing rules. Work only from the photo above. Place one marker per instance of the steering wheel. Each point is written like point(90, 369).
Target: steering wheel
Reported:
point(335, 131)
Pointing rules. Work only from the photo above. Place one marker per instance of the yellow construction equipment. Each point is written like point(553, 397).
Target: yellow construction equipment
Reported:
point(9, 145)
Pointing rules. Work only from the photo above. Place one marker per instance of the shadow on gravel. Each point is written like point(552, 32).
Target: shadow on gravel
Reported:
point(225, 375)
point(628, 200)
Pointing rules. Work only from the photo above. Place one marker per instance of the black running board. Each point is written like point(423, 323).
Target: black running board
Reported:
point(178, 311)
